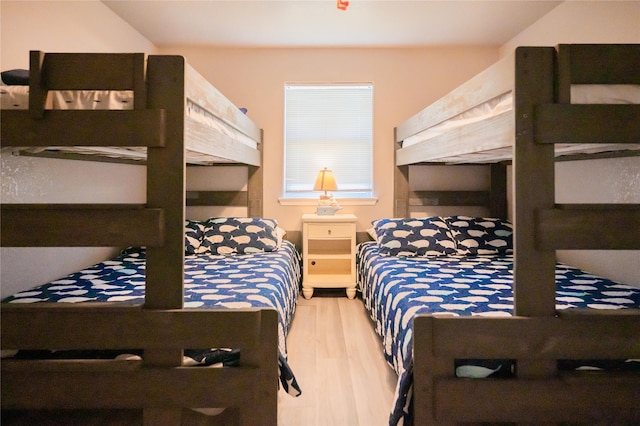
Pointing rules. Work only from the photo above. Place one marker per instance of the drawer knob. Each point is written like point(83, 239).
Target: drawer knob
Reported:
point(313, 262)
point(329, 231)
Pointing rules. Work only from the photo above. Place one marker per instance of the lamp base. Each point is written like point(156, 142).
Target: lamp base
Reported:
point(327, 210)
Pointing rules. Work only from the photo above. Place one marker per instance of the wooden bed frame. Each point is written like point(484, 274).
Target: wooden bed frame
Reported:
point(159, 385)
point(536, 336)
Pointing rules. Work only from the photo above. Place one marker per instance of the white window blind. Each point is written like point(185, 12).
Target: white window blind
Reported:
point(329, 125)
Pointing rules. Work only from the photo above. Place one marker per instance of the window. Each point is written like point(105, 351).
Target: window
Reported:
point(329, 125)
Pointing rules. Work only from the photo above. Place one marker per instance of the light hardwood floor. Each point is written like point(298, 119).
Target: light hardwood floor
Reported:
point(338, 361)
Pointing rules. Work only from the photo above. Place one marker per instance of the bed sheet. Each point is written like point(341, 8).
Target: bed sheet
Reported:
point(396, 289)
point(269, 280)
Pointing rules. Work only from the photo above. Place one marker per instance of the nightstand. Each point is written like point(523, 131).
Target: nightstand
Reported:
point(329, 253)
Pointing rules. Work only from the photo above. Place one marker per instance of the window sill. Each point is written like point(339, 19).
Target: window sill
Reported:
point(314, 201)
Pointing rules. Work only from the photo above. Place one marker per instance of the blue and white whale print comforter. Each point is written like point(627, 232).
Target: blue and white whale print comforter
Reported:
point(395, 289)
point(268, 279)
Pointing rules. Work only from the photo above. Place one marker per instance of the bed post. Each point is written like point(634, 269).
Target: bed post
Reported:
point(498, 191)
point(400, 184)
point(256, 184)
point(166, 190)
point(533, 180)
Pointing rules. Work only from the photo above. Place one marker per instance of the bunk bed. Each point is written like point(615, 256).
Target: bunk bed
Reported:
point(156, 320)
point(536, 333)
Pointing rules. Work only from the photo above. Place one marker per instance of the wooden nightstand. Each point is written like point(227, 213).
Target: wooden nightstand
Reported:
point(329, 253)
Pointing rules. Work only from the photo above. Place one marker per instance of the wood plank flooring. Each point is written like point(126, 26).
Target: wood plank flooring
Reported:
point(338, 361)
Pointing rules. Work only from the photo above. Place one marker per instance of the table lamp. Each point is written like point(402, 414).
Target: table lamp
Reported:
point(327, 205)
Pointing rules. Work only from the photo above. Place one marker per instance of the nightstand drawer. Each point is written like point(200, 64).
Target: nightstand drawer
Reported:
point(330, 230)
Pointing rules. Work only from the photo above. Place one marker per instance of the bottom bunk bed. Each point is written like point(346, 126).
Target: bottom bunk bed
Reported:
point(463, 266)
point(230, 264)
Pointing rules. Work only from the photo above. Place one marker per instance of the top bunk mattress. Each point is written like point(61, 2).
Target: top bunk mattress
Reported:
point(17, 97)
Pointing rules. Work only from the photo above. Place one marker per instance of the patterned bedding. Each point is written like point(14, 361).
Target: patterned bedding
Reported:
point(268, 279)
point(395, 289)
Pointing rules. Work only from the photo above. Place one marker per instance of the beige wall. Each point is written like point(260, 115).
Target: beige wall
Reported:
point(63, 26)
point(582, 22)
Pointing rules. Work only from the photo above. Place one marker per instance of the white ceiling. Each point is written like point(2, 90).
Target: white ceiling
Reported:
point(317, 23)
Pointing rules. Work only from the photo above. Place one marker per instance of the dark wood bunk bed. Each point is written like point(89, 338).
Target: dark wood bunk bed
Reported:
point(163, 88)
point(537, 335)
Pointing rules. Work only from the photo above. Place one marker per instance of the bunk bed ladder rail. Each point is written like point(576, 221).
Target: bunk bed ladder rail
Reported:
point(544, 117)
point(75, 225)
point(588, 226)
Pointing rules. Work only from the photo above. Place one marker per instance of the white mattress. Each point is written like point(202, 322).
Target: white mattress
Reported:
point(503, 104)
point(17, 97)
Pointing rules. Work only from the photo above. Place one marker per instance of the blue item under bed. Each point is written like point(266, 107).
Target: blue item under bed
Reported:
point(269, 279)
point(397, 288)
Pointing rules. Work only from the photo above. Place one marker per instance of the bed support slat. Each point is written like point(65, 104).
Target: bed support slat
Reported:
point(92, 71)
point(572, 335)
point(603, 227)
point(84, 128)
point(129, 327)
point(600, 63)
point(576, 66)
point(45, 384)
point(573, 123)
point(73, 225)
point(145, 387)
point(217, 198)
point(89, 71)
point(584, 399)
point(449, 198)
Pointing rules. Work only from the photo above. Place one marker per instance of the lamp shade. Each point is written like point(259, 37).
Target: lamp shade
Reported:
point(325, 181)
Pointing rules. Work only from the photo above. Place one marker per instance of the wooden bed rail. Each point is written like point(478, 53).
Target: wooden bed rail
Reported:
point(89, 71)
point(473, 92)
point(589, 226)
point(46, 384)
point(566, 396)
point(596, 64)
point(81, 225)
point(494, 200)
